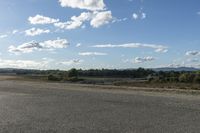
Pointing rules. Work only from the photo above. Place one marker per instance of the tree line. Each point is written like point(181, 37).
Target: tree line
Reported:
point(140, 73)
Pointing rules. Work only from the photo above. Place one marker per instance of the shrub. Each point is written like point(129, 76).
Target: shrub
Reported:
point(183, 77)
point(73, 79)
point(197, 78)
point(54, 78)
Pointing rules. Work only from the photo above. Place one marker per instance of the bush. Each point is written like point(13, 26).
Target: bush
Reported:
point(73, 79)
point(183, 77)
point(197, 78)
point(54, 78)
point(187, 77)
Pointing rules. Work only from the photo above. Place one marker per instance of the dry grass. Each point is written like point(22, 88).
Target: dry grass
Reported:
point(25, 78)
point(112, 81)
point(185, 86)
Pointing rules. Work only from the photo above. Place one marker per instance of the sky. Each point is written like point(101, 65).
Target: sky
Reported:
point(120, 34)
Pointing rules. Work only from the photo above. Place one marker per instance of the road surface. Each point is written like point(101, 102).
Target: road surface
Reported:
point(34, 107)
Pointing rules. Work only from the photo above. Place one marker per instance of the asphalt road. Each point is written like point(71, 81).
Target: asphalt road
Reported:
point(27, 107)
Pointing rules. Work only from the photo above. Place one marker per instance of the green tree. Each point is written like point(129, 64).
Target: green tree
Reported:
point(73, 73)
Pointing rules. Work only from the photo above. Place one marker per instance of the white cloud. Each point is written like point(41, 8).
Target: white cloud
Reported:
point(119, 20)
point(25, 48)
point(198, 13)
point(26, 64)
point(55, 44)
point(173, 65)
point(3, 36)
point(34, 31)
point(75, 22)
point(158, 48)
point(144, 59)
point(92, 54)
point(194, 64)
point(44, 63)
point(193, 61)
point(71, 62)
point(96, 19)
point(92, 5)
point(135, 16)
point(101, 18)
point(140, 15)
point(161, 50)
point(143, 15)
point(78, 45)
point(32, 46)
point(39, 19)
point(15, 31)
point(192, 53)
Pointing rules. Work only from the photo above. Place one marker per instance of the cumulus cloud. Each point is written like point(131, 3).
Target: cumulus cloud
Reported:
point(92, 54)
point(39, 19)
point(23, 64)
point(192, 53)
point(33, 46)
point(158, 48)
point(55, 44)
point(3, 36)
point(101, 18)
point(75, 22)
point(144, 59)
point(25, 48)
point(92, 5)
point(35, 32)
point(97, 15)
point(96, 19)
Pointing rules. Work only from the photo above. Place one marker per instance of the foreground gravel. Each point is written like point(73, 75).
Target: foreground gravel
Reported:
point(37, 107)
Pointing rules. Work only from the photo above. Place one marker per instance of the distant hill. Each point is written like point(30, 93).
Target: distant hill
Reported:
point(19, 71)
point(178, 69)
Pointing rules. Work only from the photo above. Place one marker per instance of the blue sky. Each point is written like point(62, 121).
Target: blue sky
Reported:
point(61, 34)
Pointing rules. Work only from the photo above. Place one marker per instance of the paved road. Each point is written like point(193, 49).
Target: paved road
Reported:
point(27, 107)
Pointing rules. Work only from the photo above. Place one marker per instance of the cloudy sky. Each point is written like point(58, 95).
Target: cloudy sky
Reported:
point(61, 34)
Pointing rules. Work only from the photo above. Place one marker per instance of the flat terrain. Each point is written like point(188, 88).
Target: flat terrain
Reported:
point(39, 107)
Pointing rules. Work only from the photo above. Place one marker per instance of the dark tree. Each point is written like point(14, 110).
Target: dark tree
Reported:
point(73, 73)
